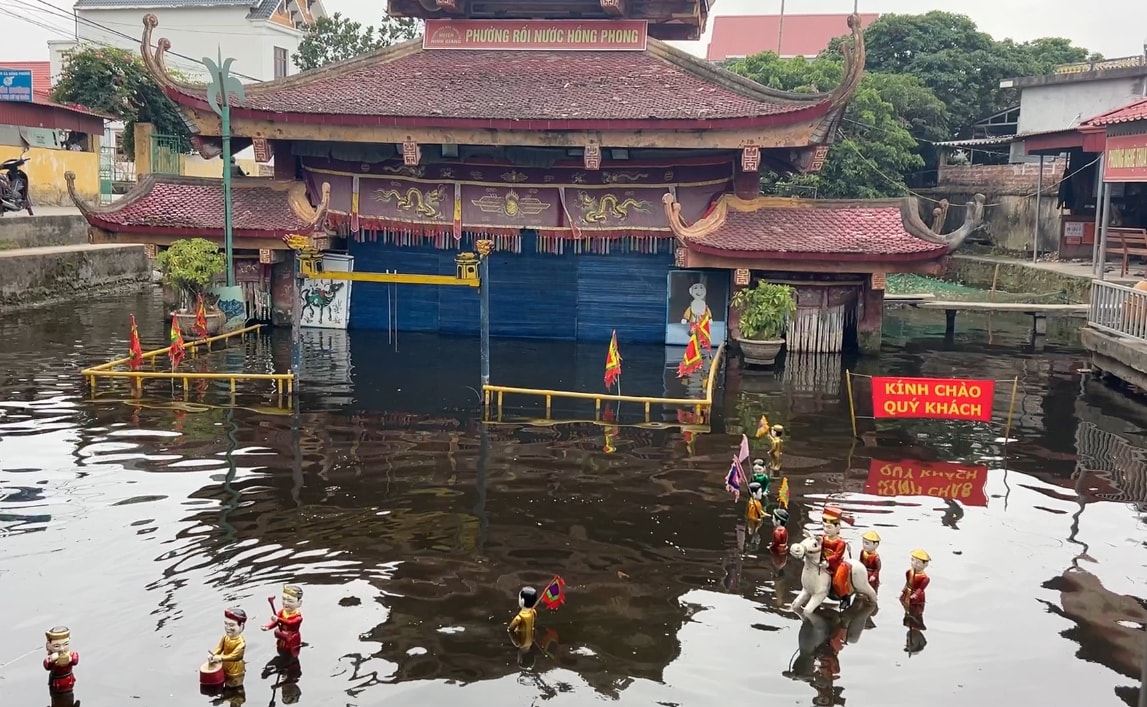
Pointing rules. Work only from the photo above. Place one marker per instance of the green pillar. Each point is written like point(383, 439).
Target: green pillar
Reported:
point(223, 86)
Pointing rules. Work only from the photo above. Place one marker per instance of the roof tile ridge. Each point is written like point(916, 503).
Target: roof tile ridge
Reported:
point(385, 55)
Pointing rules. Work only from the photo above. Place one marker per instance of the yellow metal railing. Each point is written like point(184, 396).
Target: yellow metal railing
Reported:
point(495, 394)
point(108, 370)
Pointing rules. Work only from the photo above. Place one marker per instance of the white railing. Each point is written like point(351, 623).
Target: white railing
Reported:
point(1118, 309)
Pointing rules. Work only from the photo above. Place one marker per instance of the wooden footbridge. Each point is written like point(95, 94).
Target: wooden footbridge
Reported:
point(1038, 312)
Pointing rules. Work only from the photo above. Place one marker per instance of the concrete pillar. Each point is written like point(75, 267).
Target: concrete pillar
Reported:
point(142, 135)
point(871, 321)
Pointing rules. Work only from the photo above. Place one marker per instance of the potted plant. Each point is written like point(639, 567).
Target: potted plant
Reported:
point(764, 313)
point(189, 267)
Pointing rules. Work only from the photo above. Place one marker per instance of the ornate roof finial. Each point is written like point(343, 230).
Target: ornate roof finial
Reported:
point(973, 219)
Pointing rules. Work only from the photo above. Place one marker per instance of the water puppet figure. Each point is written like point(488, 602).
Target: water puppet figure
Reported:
point(288, 621)
point(225, 665)
point(755, 511)
point(780, 542)
point(60, 660)
point(521, 627)
point(816, 581)
point(776, 447)
point(833, 549)
point(870, 558)
point(760, 475)
point(915, 582)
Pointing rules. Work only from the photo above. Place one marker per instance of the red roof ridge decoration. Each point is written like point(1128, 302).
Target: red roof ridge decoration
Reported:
point(261, 207)
point(820, 229)
point(743, 100)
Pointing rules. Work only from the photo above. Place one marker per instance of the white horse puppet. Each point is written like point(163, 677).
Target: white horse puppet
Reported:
point(815, 580)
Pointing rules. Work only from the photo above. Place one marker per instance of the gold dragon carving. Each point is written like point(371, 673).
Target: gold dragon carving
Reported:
point(426, 204)
point(599, 209)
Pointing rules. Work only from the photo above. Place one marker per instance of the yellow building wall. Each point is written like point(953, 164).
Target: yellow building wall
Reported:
point(196, 166)
point(45, 169)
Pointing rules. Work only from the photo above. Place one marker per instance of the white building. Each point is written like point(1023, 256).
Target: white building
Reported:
point(261, 35)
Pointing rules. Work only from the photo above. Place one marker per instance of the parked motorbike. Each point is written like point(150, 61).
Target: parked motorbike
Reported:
point(14, 185)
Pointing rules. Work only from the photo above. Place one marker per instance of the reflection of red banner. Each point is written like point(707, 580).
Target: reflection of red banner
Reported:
point(934, 398)
point(959, 482)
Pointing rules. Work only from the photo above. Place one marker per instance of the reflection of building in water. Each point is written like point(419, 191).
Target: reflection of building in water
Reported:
point(479, 532)
point(812, 382)
point(1115, 469)
point(327, 369)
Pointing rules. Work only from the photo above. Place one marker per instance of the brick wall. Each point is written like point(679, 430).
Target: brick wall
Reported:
point(1003, 179)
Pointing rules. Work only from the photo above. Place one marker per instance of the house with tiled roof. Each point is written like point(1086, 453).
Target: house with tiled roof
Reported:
point(608, 172)
point(261, 35)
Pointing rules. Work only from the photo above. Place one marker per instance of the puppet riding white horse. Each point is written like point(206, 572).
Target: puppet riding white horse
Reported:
point(816, 582)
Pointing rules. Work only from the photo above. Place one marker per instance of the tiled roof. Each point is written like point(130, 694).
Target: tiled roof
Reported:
point(1126, 114)
point(803, 35)
point(262, 9)
point(41, 73)
point(159, 202)
point(819, 230)
point(540, 86)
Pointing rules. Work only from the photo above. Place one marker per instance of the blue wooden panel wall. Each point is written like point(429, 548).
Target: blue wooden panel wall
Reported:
point(532, 295)
point(622, 291)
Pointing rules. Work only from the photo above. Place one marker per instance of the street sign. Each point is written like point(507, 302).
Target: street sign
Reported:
point(16, 85)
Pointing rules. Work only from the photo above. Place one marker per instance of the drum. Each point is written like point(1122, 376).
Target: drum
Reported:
point(211, 674)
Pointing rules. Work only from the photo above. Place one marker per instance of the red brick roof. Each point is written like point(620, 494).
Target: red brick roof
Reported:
point(260, 207)
point(526, 90)
point(817, 230)
point(1126, 114)
point(802, 35)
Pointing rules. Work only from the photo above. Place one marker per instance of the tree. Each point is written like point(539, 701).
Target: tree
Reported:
point(116, 82)
point(963, 66)
point(338, 38)
point(875, 149)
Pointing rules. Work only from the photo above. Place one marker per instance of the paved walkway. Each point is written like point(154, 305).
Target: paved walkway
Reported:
point(44, 211)
point(1080, 270)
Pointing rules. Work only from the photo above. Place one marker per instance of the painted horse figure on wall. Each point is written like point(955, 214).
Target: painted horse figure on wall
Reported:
point(816, 582)
point(318, 300)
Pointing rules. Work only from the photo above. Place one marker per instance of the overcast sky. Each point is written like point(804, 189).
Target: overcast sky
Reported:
point(1120, 29)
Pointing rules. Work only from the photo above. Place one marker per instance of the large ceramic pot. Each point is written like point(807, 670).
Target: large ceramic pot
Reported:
point(760, 353)
point(215, 321)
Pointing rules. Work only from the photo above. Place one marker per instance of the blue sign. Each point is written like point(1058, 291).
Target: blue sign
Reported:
point(16, 85)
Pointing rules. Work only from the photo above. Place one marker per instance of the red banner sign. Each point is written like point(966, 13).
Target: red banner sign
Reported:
point(560, 35)
point(1125, 159)
point(933, 398)
point(959, 482)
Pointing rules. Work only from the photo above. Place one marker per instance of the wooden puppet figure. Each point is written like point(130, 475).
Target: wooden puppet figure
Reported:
point(833, 548)
point(780, 542)
point(915, 582)
point(870, 558)
point(755, 512)
point(521, 627)
point(231, 647)
point(60, 660)
point(288, 621)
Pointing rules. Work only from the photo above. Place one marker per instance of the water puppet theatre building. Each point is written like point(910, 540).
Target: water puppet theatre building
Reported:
point(613, 173)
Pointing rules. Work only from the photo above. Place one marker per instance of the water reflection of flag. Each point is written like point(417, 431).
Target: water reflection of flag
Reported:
point(555, 595)
point(608, 430)
point(200, 317)
point(176, 349)
point(613, 363)
point(783, 493)
point(134, 346)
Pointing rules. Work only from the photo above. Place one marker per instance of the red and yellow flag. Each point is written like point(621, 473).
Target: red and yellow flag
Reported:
point(762, 426)
point(200, 317)
point(783, 493)
point(703, 330)
point(691, 362)
point(609, 430)
point(612, 362)
point(176, 350)
point(555, 594)
point(134, 346)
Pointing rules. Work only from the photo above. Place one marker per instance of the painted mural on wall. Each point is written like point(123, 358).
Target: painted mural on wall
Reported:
point(326, 303)
point(232, 303)
point(691, 293)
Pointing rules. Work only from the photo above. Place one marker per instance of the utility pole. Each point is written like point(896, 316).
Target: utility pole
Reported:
point(781, 29)
point(223, 86)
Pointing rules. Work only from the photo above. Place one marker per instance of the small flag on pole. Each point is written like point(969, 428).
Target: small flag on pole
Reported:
point(200, 317)
point(555, 594)
point(612, 362)
point(691, 362)
point(762, 427)
point(134, 346)
point(176, 349)
point(783, 493)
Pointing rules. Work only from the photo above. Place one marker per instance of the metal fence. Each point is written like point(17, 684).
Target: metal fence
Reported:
point(1118, 309)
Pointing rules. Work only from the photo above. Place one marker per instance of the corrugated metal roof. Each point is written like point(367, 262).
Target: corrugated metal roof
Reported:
point(981, 141)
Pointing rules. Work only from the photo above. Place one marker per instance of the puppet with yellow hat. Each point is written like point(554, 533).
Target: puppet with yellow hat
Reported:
point(60, 660)
point(870, 558)
point(915, 582)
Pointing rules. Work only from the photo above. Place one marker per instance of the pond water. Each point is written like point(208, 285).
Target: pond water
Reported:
point(411, 526)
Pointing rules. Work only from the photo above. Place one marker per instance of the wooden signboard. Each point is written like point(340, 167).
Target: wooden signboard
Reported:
point(561, 35)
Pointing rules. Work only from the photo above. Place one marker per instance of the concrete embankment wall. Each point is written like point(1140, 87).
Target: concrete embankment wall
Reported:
point(41, 231)
point(1013, 276)
point(31, 276)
